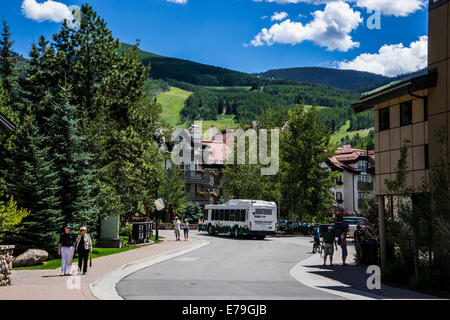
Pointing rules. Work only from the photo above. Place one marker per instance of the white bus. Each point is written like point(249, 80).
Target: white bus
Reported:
point(241, 218)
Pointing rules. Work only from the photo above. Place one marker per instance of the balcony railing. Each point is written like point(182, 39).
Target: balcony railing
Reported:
point(365, 186)
point(204, 178)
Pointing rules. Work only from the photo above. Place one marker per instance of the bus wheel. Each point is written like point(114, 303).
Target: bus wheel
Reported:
point(236, 232)
point(210, 231)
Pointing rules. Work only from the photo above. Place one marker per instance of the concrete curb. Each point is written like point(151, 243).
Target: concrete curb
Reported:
point(104, 288)
point(306, 276)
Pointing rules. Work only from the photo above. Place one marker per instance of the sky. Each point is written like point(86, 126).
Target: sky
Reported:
point(387, 37)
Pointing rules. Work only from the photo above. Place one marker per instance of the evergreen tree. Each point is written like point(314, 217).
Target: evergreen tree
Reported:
point(7, 58)
point(33, 182)
point(73, 164)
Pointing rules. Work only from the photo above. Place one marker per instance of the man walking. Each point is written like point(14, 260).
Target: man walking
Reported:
point(329, 240)
point(66, 249)
point(177, 228)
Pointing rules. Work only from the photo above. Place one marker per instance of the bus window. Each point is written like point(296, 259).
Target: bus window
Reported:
point(214, 215)
point(205, 215)
point(243, 215)
point(227, 215)
point(232, 214)
point(221, 214)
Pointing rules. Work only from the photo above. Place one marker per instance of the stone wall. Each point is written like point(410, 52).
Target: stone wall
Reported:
point(6, 257)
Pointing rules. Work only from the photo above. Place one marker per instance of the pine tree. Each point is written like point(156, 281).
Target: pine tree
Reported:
point(7, 58)
point(33, 182)
point(73, 164)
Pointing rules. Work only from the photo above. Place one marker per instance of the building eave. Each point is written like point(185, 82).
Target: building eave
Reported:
point(6, 124)
point(406, 87)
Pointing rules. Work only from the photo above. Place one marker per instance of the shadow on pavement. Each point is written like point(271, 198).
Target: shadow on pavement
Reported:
point(354, 279)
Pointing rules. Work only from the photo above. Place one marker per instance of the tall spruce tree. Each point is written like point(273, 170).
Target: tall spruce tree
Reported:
point(33, 182)
point(7, 58)
point(73, 164)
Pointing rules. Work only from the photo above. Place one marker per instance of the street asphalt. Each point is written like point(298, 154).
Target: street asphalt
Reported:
point(227, 269)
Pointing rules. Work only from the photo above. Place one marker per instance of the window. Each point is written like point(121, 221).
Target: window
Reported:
point(425, 109)
point(243, 215)
point(427, 157)
point(406, 113)
point(205, 214)
point(362, 165)
point(214, 215)
point(221, 214)
point(338, 196)
point(232, 214)
point(362, 195)
point(383, 118)
point(227, 215)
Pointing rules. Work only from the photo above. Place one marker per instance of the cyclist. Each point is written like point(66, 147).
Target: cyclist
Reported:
point(316, 234)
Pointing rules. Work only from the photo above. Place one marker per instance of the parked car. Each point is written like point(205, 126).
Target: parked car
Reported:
point(352, 222)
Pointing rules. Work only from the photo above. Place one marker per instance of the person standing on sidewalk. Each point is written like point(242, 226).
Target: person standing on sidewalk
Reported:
point(186, 229)
point(177, 228)
point(343, 243)
point(66, 249)
point(328, 241)
point(84, 247)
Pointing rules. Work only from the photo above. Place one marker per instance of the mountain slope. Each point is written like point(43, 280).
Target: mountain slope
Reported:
point(344, 79)
point(357, 81)
point(193, 72)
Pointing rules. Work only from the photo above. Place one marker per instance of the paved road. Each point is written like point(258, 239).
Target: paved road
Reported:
point(227, 269)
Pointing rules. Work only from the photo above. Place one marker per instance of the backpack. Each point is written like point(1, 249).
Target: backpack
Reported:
point(339, 242)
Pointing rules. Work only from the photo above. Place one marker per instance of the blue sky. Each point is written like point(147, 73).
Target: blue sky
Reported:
point(229, 33)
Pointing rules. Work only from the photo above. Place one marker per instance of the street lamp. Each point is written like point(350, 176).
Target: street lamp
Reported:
point(156, 211)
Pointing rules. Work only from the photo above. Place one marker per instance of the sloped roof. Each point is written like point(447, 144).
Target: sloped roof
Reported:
point(346, 157)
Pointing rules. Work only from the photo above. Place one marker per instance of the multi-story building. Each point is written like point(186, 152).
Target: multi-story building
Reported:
point(356, 182)
point(412, 112)
point(203, 177)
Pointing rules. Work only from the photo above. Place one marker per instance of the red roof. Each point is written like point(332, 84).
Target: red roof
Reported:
point(346, 158)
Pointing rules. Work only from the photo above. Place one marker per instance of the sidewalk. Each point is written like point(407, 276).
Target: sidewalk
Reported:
point(48, 285)
point(345, 281)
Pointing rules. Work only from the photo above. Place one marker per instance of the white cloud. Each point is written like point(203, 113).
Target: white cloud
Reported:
point(48, 10)
point(398, 8)
point(330, 28)
point(178, 1)
point(279, 16)
point(264, 17)
point(392, 60)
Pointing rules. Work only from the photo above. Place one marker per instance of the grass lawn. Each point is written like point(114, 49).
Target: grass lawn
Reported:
point(342, 133)
point(172, 102)
point(96, 253)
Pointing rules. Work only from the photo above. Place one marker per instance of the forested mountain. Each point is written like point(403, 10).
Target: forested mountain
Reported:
point(193, 72)
point(344, 79)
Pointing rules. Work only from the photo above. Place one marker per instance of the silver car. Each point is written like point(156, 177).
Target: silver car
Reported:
point(352, 222)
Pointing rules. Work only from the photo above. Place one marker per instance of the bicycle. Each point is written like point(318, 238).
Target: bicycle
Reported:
point(317, 247)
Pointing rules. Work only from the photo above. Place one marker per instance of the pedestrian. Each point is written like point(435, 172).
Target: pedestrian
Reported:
point(316, 233)
point(186, 229)
point(177, 228)
point(66, 249)
point(342, 241)
point(328, 241)
point(84, 247)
